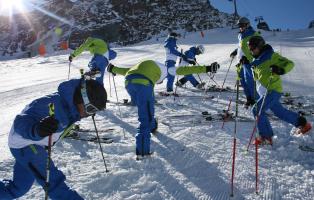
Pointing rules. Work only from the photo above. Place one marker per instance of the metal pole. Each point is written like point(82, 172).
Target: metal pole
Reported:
point(98, 139)
point(115, 89)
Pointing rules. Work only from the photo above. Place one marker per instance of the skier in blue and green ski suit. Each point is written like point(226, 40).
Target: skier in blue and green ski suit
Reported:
point(28, 138)
point(139, 82)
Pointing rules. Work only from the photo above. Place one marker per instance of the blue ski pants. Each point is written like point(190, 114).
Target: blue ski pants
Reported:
point(190, 78)
point(170, 78)
point(143, 97)
point(272, 102)
point(247, 82)
point(30, 166)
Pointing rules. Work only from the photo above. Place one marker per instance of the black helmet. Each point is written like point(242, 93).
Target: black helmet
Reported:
point(256, 42)
point(96, 93)
point(243, 21)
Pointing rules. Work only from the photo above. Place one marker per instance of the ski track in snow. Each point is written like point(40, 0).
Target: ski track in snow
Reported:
point(191, 160)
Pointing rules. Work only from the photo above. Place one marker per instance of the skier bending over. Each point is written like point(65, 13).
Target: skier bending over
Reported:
point(190, 59)
point(102, 55)
point(139, 82)
point(28, 137)
point(268, 66)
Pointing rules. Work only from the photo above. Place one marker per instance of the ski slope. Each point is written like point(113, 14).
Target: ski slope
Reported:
point(192, 157)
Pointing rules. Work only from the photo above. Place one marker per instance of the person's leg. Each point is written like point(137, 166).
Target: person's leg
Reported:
point(145, 117)
point(283, 113)
point(192, 80)
point(183, 80)
point(170, 78)
point(249, 81)
point(263, 125)
point(57, 189)
point(23, 179)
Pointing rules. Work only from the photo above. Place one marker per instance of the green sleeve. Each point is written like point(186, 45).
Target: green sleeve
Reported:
point(119, 70)
point(82, 48)
point(284, 63)
point(190, 70)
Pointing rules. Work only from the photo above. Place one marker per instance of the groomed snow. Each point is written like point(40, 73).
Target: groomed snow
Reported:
point(192, 158)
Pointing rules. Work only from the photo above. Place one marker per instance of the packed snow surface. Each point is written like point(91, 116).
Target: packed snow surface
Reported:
point(192, 157)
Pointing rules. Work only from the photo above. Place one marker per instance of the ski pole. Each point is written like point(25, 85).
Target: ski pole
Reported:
point(98, 139)
point(258, 114)
point(69, 70)
point(51, 113)
point(110, 85)
point(175, 89)
point(234, 139)
point(222, 86)
point(229, 106)
point(115, 88)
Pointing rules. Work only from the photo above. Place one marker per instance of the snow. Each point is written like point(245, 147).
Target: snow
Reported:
point(192, 158)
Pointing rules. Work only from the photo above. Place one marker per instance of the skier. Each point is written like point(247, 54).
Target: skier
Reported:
point(102, 54)
point(139, 82)
point(268, 66)
point(171, 57)
point(28, 137)
point(190, 56)
point(243, 54)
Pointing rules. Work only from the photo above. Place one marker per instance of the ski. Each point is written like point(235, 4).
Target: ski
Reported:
point(166, 94)
point(86, 138)
point(306, 148)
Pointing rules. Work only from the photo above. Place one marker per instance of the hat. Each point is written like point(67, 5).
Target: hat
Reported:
point(96, 94)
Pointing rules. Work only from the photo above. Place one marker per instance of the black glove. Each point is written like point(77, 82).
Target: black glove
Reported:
point(184, 57)
point(110, 68)
point(47, 126)
point(234, 53)
point(244, 60)
point(71, 58)
point(277, 70)
point(212, 67)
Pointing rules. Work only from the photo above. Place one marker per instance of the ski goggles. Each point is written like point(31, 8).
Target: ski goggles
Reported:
point(90, 109)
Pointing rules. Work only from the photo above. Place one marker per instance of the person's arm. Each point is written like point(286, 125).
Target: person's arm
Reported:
point(81, 48)
point(26, 126)
point(117, 70)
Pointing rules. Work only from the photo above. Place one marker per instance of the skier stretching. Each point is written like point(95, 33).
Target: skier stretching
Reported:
point(28, 138)
point(102, 55)
point(139, 82)
point(243, 54)
point(190, 59)
point(268, 66)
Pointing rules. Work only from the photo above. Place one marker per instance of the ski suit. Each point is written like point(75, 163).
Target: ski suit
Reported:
point(244, 71)
point(171, 57)
point(190, 55)
point(102, 54)
point(270, 84)
point(28, 148)
point(139, 82)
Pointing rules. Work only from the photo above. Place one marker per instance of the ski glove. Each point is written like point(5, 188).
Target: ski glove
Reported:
point(110, 68)
point(277, 70)
point(47, 126)
point(212, 67)
point(71, 58)
point(234, 53)
point(244, 60)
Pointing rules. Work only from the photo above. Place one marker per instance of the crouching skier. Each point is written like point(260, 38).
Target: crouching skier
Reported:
point(28, 138)
point(268, 67)
point(139, 82)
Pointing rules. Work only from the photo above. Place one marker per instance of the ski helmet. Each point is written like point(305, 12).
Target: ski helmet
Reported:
point(256, 42)
point(200, 48)
point(174, 34)
point(243, 21)
point(95, 93)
